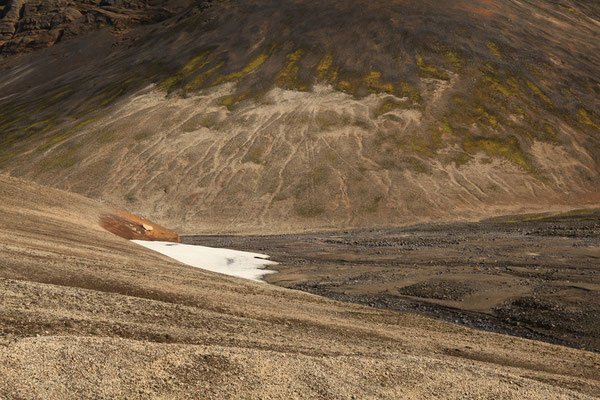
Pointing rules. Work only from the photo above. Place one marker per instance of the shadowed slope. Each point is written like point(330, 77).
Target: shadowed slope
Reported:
point(318, 114)
point(81, 307)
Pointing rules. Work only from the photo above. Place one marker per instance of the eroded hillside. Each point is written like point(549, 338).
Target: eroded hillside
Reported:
point(305, 114)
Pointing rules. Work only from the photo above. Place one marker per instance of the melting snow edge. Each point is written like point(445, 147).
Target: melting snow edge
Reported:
point(225, 261)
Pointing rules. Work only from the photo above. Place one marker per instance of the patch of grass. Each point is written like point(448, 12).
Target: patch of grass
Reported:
point(429, 70)
point(461, 159)
point(508, 149)
point(572, 10)
point(195, 64)
point(233, 100)
point(198, 81)
point(455, 60)
point(584, 118)
point(250, 67)
point(535, 89)
point(406, 89)
point(171, 83)
point(287, 78)
point(550, 133)
point(493, 48)
point(349, 82)
point(390, 105)
point(446, 127)
point(375, 85)
point(324, 67)
point(508, 91)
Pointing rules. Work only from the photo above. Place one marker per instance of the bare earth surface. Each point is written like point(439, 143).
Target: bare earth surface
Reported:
point(535, 276)
point(86, 314)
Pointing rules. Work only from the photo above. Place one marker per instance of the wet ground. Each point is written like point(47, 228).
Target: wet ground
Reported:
point(534, 276)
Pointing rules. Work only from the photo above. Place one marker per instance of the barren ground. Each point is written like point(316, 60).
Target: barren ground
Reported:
point(533, 276)
point(87, 314)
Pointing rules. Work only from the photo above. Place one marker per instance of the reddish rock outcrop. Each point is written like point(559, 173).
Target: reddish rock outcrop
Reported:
point(130, 227)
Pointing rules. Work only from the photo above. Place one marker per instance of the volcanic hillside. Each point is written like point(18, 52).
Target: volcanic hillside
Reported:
point(87, 314)
point(254, 114)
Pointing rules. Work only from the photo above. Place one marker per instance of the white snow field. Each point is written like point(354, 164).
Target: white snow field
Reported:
point(225, 261)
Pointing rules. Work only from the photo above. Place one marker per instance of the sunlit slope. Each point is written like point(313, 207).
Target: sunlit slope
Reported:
point(254, 115)
point(82, 307)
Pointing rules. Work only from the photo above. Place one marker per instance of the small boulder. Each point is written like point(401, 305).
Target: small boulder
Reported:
point(147, 227)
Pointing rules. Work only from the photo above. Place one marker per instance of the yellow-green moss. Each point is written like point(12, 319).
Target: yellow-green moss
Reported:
point(446, 128)
point(43, 124)
point(232, 101)
point(429, 70)
point(141, 136)
point(508, 91)
point(495, 147)
point(572, 11)
point(250, 67)
point(171, 83)
point(198, 81)
point(550, 133)
point(584, 118)
point(324, 67)
point(462, 159)
point(287, 78)
point(60, 93)
point(195, 64)
point(408, 90)
point(493, 48)
point(375, 85)
point(535, 89)
point(454, 59)
point(390, 105)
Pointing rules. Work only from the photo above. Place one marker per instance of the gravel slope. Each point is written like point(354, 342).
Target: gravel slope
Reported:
point(86, 314)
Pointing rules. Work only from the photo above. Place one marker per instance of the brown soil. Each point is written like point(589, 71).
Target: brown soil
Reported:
point(535, 276)
point(86, 314)
point(130, 227)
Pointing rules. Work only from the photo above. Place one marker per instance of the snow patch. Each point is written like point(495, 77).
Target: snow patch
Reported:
point(225, 261)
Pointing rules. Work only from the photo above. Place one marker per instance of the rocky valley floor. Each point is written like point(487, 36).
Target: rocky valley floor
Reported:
point(534, 276)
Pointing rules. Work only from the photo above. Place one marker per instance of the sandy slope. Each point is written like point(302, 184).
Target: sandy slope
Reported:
point(86, 314)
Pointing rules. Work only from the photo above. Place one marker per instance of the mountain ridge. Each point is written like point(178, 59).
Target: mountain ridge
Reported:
point(319, 114)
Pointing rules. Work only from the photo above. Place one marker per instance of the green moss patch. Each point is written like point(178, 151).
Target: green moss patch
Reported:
point(508, 149)
point(427, 70)
point(287, 78)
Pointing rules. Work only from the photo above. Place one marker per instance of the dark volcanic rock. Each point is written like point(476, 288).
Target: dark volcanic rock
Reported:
point(29, 24)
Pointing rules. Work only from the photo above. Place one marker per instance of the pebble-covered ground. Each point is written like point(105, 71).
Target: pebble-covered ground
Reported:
point(534, 276)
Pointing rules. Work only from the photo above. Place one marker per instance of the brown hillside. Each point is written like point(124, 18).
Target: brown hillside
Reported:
point(86, 314)
point(262, 115)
